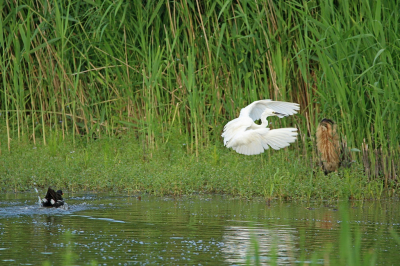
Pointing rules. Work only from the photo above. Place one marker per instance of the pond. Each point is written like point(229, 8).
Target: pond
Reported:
point(190, 230)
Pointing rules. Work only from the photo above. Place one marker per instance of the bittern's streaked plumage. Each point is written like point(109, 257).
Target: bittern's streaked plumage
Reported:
point(328, 145)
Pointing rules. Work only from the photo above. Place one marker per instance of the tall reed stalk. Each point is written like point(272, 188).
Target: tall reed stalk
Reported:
point(89, 68)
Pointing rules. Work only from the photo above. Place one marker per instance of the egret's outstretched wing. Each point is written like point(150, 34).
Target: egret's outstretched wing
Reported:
point(255, 109)
point(236, 126)
point(253, 142)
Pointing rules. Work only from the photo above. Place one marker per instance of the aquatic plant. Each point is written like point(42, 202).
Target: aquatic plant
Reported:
point(69, 257)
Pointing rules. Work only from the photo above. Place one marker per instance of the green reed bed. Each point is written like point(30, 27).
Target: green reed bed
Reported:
point(112, 164)
point(163, 69)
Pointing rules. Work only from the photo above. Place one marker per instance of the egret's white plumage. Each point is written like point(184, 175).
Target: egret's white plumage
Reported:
point(246, 137)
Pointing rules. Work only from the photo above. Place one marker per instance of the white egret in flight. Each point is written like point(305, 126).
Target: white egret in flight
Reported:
point(246, 137)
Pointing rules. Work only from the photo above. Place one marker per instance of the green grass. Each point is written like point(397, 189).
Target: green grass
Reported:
point(161, 68)
point(122, 164)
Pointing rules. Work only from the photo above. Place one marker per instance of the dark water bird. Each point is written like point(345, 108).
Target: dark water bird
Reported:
point(53, 199)
point(328, 145)
point(246, 137)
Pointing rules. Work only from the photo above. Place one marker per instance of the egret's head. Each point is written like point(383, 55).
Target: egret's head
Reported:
point(270, 112)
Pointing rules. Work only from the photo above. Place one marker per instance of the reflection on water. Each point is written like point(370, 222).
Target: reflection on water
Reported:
point(198, 230)
point(238, 244)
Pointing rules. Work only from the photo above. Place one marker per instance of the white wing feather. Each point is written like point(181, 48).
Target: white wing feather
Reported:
point(243, 135)
point(253, 142)
point(236, 126)
point(255, 109)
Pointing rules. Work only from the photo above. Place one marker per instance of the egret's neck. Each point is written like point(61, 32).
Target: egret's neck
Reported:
point(264, 121)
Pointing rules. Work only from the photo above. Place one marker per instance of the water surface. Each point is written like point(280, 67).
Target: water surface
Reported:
point(189, 230)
